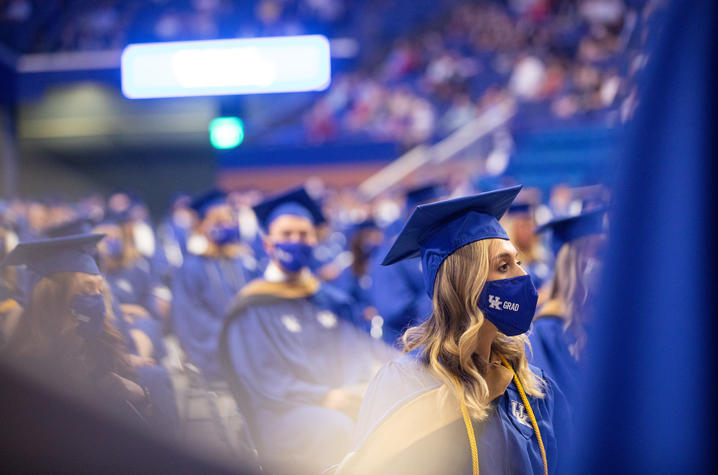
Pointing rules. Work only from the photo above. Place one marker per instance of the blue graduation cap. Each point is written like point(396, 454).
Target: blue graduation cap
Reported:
point(519, 208)
point(202, 203)
point(70, 228)
point(436, 230)
point(565, 230)
point(45, 257)
point(296, 202)
point(424, 194)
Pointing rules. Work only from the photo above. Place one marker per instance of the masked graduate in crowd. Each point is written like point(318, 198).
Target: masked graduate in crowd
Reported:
point(398, 291)
point(463, 397)
point(216, 267)
point(142, 334)
point(355, 279)
point(136, 290)
point(558, 335)
point(66, 337)
point(520, 226)
point(297, 366)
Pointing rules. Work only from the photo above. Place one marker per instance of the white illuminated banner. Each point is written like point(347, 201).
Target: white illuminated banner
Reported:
point(220, 67)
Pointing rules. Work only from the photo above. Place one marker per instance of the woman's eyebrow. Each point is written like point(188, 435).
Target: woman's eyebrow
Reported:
point(502, 256)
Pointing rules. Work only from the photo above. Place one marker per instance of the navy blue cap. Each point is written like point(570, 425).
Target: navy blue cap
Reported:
point(202, 203)
point(296, 202)
point(45, 257)
point(436, 230)
point(424, 194)
point(565, 230)
point(519, 208)
point(70, 228)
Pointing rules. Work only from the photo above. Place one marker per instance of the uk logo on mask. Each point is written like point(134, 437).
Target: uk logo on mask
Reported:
point(496, 303)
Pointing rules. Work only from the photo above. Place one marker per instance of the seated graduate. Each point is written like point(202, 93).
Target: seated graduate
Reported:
point(463, 397)
point(398, 291)
point(558, 335)
point(297, 365)
point(133, 286)
point(141, 333)
point(66, 337)
point(364, 241)
point(215, 268)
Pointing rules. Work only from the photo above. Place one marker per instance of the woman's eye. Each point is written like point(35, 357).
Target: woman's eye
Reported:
point(503, 268)
point(518, 263)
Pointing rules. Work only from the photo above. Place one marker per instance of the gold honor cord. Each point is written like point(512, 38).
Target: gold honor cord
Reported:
point(470, 427)
point(469, 431)
point(531, 414)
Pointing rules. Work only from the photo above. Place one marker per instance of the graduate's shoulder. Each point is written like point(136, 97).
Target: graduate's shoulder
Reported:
point(402, 379)
point(257, 292)
point(393, 388)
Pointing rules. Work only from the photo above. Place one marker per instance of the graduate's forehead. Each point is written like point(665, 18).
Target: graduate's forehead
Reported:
point(86, 283)
point(502, 249)
point(290, 223)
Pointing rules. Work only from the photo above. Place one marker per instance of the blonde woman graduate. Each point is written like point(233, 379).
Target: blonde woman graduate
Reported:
point(463, 398)
point(558, 334)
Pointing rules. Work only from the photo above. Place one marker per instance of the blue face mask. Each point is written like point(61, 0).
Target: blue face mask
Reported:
point(509, 304)
point(90, 312)
point(114, 247)
point(293, 256)
point(222, 235)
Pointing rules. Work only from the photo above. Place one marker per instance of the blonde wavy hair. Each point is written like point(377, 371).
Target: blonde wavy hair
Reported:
point(569, 290)
point(448, 337)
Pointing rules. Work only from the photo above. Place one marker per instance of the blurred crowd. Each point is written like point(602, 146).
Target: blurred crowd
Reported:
point(560, 60)
point(33, 26)
point(448, 61)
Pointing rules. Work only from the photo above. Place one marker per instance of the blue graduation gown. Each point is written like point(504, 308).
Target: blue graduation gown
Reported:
point(202, 291)
point(359, 289)
point(282, 356)
point(133, 285)
point(398, 294)
point(550, 346)
point(164, 418)
point(505, 440)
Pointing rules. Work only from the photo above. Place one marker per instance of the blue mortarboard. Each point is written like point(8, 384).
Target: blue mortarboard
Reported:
point(519, 208)
point(45, 257)
point(567, 229)
point(202, 203)
point(436, 230)
point(296, 202)
point(424, 194)
point(70, 228)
